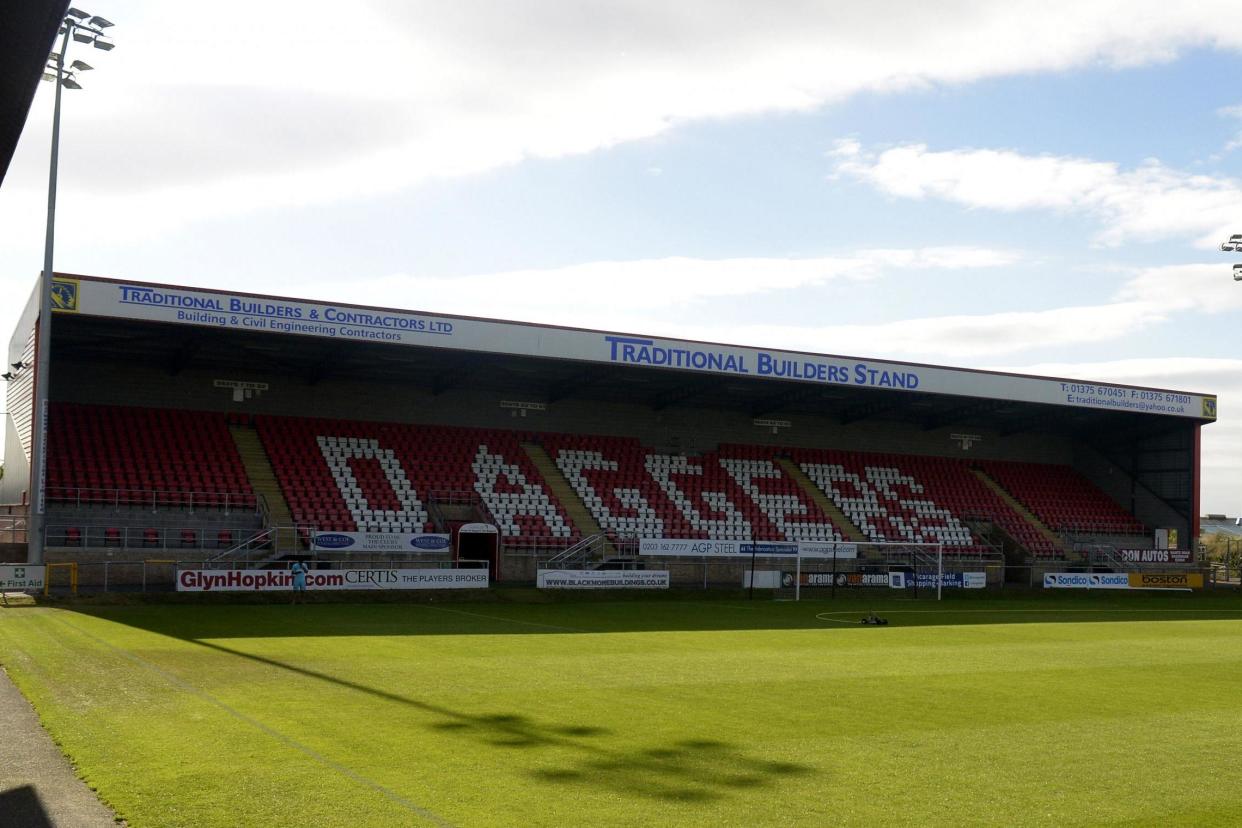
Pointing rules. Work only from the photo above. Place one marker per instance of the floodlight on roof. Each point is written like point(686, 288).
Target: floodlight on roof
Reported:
point(70, 83)
point(82, 36)
point(104, 43)
point(81, 66)
point(99, 22)
point(77, 13)
point(49, 76)
point(6, 375)
point(1237, 273)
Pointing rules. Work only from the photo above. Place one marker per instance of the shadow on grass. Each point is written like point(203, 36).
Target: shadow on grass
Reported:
point(563, 617)
point(689, 770)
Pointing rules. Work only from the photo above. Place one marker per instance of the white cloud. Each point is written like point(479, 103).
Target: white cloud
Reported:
point(660, 297)
point(181, 124)
point(617, 294)
point(1149, 202)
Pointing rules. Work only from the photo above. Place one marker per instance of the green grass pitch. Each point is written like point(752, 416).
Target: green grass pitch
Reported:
point(1054, 709)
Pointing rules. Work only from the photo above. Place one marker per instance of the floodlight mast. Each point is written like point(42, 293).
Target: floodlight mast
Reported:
point(1233, 244)
point(77, 26)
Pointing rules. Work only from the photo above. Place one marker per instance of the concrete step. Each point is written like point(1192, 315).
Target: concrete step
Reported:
point(822, 500)
point(1021, 509)
point(577, 511)
point(260, 472)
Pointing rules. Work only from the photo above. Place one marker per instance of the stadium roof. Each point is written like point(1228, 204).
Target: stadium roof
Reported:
point(26, 38)
point(180, 327)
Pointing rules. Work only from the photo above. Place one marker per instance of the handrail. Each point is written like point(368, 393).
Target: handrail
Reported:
point(580, 552)
point(77, 495)
point(262, 536)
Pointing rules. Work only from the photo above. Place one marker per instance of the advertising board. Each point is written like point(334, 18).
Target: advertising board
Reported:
point(692, 547)
point(281, 580)
point(378, 542)
point(1166, 580)
point(930, 580)
point(282, 315)
point(602, 579)
point(1156, 556)
point(1086, 580)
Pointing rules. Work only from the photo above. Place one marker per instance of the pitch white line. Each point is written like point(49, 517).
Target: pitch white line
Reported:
point(1058, 610)
point(502, 618)
point(308, 751)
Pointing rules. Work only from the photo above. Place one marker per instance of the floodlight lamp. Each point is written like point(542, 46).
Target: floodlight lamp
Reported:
point(19, 365)
point(99, 22)
point(70, 83)
point(7, 376)
point(49, 76)
point(1236, 238)
point(1237, 273)
point(77, 13)
point(82, 36)
point(104, 43)
point(81, 66)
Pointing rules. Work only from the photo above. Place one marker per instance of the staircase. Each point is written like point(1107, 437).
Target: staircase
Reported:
point(1026, 513)
point(283, 537)
point(851, 532)
point(575, 509)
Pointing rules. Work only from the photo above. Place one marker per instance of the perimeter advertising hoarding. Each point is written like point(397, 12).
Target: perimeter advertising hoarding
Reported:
point(1166, 580)
point(690, 547)
point(900, 579)
point(379, 542)
point(176, 305)
point(602, 579)
point(1123, 580)
point(20, 577)
point(1157, 556)
point(1086, 580)
point(281, 580)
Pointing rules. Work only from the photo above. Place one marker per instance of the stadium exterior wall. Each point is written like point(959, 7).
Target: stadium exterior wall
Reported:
point(19, 405)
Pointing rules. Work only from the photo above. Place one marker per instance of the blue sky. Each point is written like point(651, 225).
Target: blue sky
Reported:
point(1037, 187)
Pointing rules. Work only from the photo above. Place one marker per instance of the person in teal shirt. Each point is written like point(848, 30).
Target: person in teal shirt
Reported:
point(299, 570)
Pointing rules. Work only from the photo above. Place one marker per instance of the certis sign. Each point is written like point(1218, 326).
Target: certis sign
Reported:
point(21, 577)
point(279, 580)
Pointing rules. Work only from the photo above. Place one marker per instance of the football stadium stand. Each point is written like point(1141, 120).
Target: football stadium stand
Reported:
point(140, 456)
point(379, 477)
point(349, 475)
point(196, 420)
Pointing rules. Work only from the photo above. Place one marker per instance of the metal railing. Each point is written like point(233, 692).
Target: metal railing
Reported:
point(580, 553)
point(152, 498)
point(130, 537)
